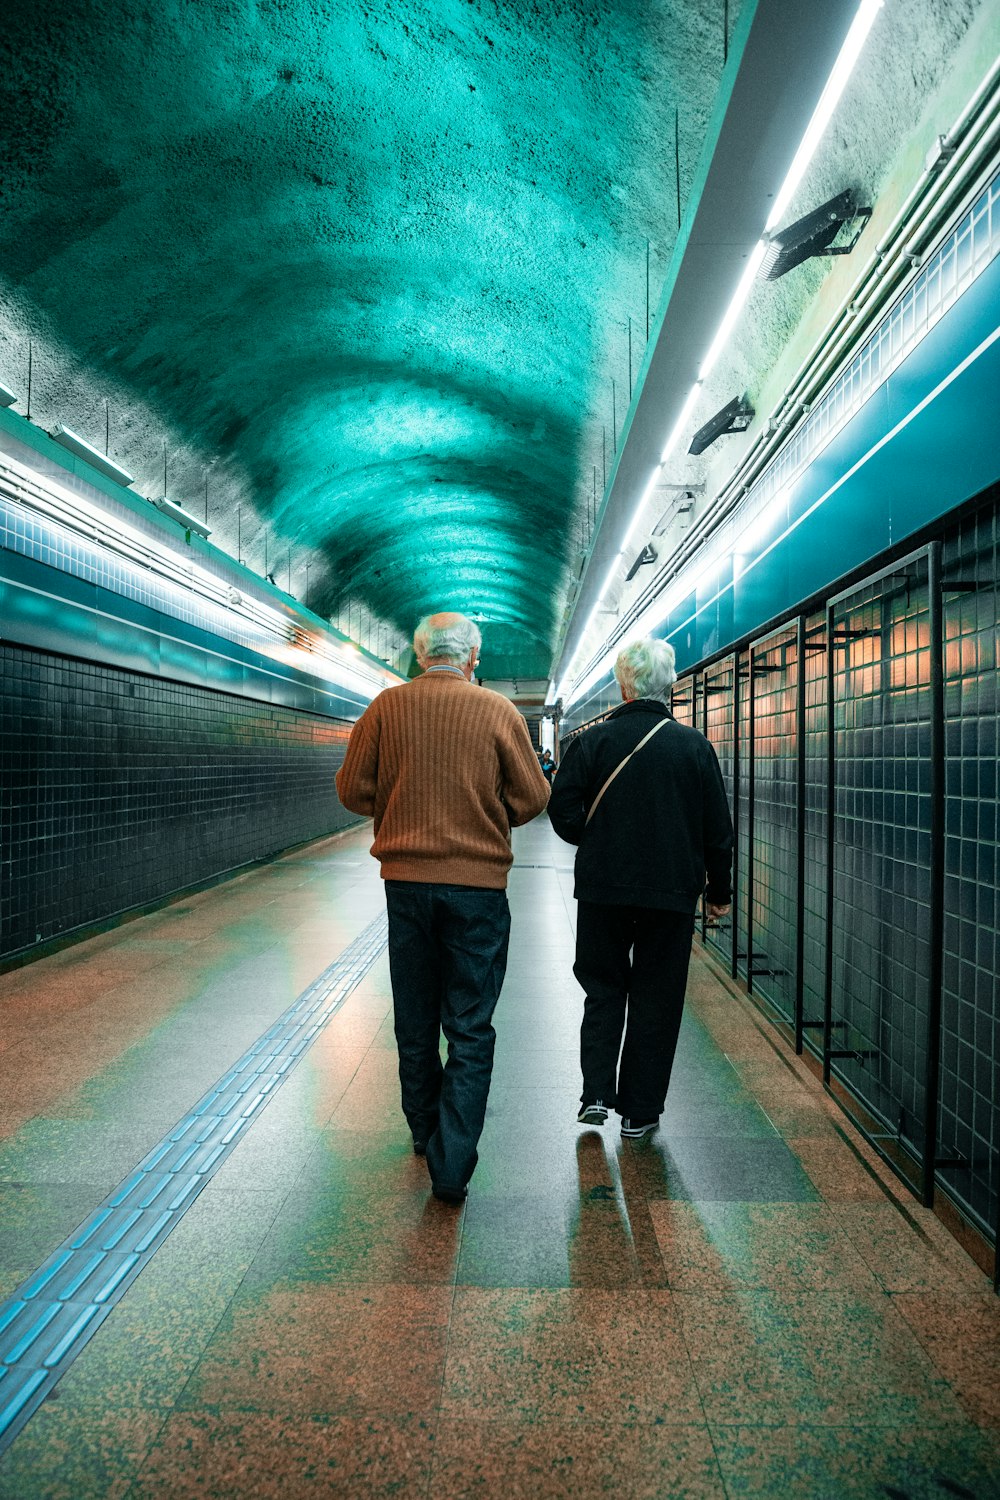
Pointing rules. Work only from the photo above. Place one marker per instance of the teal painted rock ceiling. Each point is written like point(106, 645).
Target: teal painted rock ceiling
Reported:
point(378, 260)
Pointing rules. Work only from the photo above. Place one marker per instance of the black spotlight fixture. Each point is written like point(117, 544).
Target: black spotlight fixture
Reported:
point(814, 235)
point(736, 417)
point(647, 555)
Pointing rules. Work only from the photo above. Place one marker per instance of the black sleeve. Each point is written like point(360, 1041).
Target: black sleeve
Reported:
point(717, 831)
point(567, 805)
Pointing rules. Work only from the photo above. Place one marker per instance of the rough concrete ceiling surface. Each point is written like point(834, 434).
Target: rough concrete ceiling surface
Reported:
point(377, 259)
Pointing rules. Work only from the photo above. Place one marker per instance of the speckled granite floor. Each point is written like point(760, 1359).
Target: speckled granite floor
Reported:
point(746, 1304)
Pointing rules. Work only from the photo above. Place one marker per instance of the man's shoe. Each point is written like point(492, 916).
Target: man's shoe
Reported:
point(449, 1194)
point(593, 1114)
point(419, 1146)
point(632, 1130)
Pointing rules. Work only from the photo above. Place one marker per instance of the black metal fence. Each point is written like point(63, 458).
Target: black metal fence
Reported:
point(858, 743)
point(876, 718)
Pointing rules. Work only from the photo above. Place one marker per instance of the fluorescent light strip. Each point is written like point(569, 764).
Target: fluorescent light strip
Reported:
point(828, 100)
point(733, 311)
point(641, 507)
point(66, 509)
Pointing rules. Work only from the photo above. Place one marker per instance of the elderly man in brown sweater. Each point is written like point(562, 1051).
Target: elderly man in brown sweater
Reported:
point(446, 769)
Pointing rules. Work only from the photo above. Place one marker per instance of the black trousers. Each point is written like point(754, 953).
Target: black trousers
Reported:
point(632, 962)
point(447, 960)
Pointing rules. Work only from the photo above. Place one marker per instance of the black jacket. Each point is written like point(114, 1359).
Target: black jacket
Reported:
point(662, 825)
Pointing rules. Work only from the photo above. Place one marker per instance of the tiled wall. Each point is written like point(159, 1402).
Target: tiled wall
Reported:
point(969, 1116)
point(117, 788)
point(772, 901)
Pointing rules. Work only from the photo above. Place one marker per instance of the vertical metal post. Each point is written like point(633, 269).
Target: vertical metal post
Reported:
point(751, 756)
point(734, 961)
point(831, 743)
point(800, 827)
point(932, 1073)
point(704, 730)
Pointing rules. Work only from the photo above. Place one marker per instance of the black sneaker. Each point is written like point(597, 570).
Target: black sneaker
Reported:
point(632, 1130)
point(593, 1114)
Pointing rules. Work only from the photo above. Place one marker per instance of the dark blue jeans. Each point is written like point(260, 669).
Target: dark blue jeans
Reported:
point(447, 960)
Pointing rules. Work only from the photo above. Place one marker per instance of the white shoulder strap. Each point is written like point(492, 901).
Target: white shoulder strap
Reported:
point(622, 764)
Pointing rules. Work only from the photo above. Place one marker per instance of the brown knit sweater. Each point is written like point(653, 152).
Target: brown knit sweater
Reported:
point(446, 769)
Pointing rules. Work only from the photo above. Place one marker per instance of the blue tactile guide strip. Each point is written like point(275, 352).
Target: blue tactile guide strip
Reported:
point(47, 1321)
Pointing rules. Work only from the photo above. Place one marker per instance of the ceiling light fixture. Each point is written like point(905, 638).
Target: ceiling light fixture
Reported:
point(178, 513)
point(68, 439)
point(813, 235)
point(735, 416)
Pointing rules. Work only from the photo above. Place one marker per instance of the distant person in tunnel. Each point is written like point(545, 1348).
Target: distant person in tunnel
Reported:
point(643, 798)
point(446, 773)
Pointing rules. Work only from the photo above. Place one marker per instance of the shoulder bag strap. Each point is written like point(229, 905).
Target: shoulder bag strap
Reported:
point(622, 764)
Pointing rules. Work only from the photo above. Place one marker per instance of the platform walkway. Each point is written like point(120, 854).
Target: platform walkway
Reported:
point(746, 1304)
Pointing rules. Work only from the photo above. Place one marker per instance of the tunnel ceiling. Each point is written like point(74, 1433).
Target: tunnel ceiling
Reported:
point(378, 261)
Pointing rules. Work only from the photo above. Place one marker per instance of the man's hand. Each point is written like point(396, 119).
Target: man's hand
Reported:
point(718, 911)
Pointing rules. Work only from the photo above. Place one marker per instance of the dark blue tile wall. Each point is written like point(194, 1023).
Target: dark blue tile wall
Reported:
point(117, 789)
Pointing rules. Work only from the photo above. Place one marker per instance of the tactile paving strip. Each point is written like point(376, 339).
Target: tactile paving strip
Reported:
point(47, 1321)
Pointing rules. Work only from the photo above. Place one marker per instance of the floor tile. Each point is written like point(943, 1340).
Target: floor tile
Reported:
point(961, 1334)
point(359, 1235)
point(838, 1174)
point(834, 1358)
point(838, 1463)
point(327, 1350)
point(34, 1219)
point(566, 1461)
point(285, 1457)
point(599, 1355)
point(65, 1454)
point(726, 1169)
point(145, 1352)
point(514, 1241)
point(908, 1254)
point(721, 1246)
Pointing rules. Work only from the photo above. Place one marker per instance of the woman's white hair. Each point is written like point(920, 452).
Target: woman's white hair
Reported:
point(646, 670)
point(450, 641)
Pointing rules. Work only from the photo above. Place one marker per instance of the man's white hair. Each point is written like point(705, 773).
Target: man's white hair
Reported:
point(646, 670)
point(452, 642)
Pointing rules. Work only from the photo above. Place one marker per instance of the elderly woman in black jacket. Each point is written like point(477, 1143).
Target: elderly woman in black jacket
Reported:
point(643, 798)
